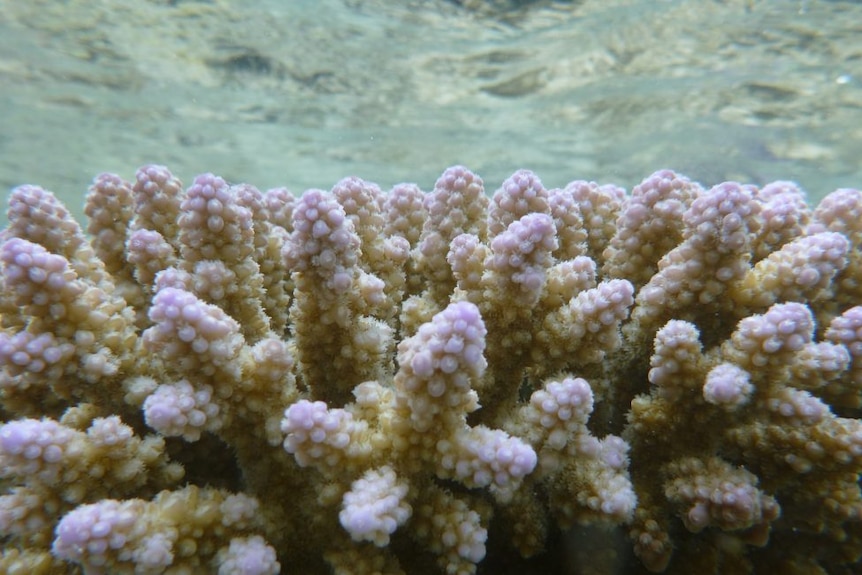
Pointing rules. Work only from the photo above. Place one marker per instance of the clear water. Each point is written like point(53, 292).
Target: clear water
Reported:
point(304, 92)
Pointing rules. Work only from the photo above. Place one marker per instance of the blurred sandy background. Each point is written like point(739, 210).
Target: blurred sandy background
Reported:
point(303, 92)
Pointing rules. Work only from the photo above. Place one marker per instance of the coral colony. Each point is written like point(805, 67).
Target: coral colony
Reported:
point(222, 380)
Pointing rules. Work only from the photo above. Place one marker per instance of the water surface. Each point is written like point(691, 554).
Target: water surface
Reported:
point(303, 92)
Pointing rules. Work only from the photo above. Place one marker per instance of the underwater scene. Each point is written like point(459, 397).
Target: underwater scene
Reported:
point(431, 287)
point(301, 93)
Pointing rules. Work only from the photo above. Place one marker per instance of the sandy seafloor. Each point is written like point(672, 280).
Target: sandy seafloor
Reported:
point(303, 92)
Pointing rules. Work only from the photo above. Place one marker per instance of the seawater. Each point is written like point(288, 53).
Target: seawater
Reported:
point(301, 93)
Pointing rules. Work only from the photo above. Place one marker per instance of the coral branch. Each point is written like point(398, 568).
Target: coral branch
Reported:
point(224, 380)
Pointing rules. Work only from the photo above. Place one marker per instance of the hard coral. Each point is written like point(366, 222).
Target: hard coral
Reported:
point(223, 380)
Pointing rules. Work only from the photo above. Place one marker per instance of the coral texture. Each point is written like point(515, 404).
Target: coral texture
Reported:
point(215, 379)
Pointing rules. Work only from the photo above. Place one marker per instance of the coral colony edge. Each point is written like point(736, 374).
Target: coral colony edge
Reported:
point(216, 379)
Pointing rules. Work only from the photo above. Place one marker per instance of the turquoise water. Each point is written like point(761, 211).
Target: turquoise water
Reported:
point(301, 93)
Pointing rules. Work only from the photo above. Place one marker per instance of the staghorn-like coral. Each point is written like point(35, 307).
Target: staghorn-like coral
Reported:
point(223, 380)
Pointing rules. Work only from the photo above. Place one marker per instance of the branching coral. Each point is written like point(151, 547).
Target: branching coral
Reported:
point(224, 380)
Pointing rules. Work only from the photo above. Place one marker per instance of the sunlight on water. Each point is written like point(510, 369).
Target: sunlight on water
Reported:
point(303, 93)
